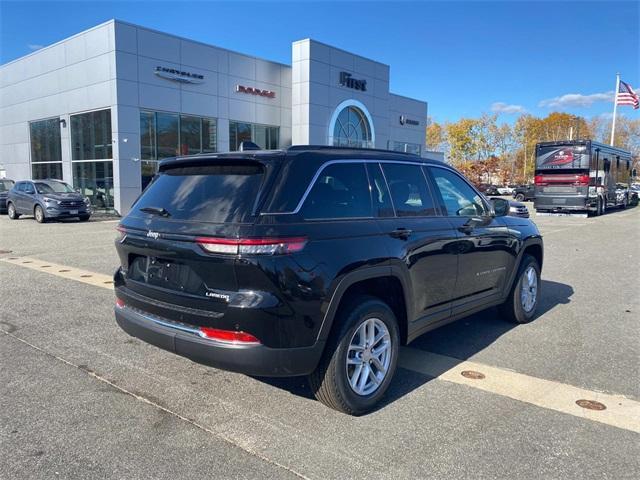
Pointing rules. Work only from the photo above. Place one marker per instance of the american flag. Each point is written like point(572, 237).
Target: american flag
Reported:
point(626, 96)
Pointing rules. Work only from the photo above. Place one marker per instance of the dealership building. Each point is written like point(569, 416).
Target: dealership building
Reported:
point(101, 108)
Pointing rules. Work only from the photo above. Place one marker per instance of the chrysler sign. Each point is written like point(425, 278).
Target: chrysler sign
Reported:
point(178, 75)
point(255, 91)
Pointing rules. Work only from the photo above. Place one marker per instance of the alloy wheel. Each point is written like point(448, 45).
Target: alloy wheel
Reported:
point(368, 356)
point(529, 289)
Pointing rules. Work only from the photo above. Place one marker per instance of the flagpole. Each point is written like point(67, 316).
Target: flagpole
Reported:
point(615, 108)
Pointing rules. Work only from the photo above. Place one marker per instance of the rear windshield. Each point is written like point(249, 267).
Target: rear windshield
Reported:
point(5, 185)
point(207, 193)
point(562, 157)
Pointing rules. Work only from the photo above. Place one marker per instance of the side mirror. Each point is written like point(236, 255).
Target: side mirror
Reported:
point(500, 206)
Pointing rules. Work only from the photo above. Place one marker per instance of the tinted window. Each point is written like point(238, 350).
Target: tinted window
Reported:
point(208, 193)
point(28, 188)
point(458, 197)
point(340, 191)
point(382, 206)
point(91, 135)
point(409, 190)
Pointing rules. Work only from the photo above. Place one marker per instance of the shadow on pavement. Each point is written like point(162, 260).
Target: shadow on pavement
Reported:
point(460, 340)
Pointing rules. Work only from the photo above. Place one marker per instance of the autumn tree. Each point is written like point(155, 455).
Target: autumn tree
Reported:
point(435, 136)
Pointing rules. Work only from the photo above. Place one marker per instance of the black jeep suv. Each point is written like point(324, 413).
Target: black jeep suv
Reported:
point(316, 261)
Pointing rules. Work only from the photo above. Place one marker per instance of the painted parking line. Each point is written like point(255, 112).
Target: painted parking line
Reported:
point(619, 411)
point(64, 271)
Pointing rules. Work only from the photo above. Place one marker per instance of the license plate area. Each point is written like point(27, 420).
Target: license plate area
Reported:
point(165, 273)
point(73, 212)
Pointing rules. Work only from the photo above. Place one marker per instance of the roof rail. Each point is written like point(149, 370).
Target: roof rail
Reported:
point(297, 148)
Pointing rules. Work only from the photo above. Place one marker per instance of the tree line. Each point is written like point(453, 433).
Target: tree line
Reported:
point(488, 151)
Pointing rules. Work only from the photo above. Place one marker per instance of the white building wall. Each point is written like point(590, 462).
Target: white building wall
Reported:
point(74, 75)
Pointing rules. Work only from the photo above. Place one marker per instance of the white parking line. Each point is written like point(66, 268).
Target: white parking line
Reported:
point(619, 411)
point(70, 273)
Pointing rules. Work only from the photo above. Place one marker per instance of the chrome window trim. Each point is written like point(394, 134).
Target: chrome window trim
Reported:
point(333, 162)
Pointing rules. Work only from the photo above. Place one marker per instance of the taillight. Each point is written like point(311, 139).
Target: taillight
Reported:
point(119, 303)
point(122, 232)
point(582, 180)
point(229, 336)
point(539, 180)
point(252, 246)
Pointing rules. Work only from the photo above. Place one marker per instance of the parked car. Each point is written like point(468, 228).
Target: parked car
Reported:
point(488, 189)
point(45, 200)
point(505, 190)
point(5, 186)
point(634, 194)
point(524, 193)
point(317, 261)
point(516, 209)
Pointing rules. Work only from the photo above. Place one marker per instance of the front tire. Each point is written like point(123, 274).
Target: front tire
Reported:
point(521, 304)
point(360, 357)
point(11, 211)
point(519, 198)
point(38, 213)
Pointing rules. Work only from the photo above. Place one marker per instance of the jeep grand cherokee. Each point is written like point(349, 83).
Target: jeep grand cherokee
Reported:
point(316, 261)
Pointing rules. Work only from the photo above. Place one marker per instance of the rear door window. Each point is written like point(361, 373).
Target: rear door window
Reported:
point(205, 193)
point(409, 191)
point(340, 191)
point(380, 196)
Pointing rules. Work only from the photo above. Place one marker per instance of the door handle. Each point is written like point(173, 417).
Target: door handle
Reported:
point(402, 233)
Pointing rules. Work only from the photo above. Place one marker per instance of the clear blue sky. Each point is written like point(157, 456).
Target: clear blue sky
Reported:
point(461, 57)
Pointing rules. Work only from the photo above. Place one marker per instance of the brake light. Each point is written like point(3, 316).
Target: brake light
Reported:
point(122, 232)
point(252, 246)
point(229, 336)
point(582, 180)
point(539, 180)
point(119, 303)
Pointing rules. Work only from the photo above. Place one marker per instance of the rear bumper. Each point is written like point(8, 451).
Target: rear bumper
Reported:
point(257, 360)
point(557, 204)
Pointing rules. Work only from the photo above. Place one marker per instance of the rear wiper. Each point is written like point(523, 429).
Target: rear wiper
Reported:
point(163, 212)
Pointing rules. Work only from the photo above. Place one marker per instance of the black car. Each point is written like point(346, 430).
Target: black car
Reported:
point(5, 186)
point(46, 200)
point(516, 209)
point(488, 189)
point(524, 193)
point(316, 261)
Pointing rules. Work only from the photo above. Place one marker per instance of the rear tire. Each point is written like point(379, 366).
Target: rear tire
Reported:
point(519, 198)
point(350, 357)
point(11, 211)
point(521, 304)
point(38, 213)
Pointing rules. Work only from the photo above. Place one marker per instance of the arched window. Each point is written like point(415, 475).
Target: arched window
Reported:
point(351, 126)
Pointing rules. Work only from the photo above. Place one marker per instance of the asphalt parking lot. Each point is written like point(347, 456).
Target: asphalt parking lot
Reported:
point(81, 399)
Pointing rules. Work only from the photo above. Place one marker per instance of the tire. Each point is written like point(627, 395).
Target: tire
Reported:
point(84, 218)
point(519, 197)
point(38, 213)
point(625, 203)
point(330, 381)
point(11, 211)
point(515, 309)
point(599, 207)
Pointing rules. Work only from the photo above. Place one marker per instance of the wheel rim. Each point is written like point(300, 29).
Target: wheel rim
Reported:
point(529, 289)
point(12, 210)
point(368, 356)
point(39, 214)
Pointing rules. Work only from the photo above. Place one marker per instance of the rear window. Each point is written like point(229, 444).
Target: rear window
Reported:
point(207, 193)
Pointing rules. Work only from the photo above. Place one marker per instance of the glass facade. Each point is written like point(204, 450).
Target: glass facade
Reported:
point(265, 136)
point(91, 136)
point(165, 135)
point(91, 155)
point(95, 181)
point(352, 129)
point(405, 147)
point(46, 151)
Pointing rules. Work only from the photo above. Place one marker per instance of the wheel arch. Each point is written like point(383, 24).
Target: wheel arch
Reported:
point(386, 283)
